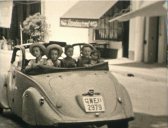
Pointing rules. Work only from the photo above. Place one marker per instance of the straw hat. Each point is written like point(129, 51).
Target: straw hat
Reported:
point(42, 47)
point(54, 46)
point(87, 45)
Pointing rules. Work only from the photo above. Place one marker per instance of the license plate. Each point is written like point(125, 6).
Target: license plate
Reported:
point(93, 103)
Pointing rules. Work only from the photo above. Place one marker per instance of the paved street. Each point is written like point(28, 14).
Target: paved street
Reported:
point(149, 99)
point(148, 88)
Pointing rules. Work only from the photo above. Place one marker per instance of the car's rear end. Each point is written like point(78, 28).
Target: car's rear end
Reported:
point(81, 97)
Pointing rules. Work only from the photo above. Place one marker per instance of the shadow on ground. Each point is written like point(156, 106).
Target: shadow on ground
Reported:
point(141, 120)
point(8, 120)
point(149, 121)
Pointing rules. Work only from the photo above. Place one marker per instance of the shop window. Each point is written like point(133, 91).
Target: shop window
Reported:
point(109, 31)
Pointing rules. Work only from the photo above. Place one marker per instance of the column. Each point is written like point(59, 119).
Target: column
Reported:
point(139, 39)
point(162, 40)
point(136, 35)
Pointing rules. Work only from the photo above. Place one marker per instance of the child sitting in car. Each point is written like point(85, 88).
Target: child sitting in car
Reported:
point(68, 61)
point(37, 50)
point(54, 51)
point(85, 58)
point(95, 57)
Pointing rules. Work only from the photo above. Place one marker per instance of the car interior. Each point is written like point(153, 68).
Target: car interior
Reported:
point(21, 56)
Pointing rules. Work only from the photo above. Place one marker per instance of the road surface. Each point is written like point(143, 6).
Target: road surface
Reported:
point(149, 99)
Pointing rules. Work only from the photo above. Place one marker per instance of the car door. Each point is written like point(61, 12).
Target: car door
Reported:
point(16, 65)
point(5, 56)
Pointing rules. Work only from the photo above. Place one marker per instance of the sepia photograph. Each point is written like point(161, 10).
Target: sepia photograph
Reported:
point(83, 64)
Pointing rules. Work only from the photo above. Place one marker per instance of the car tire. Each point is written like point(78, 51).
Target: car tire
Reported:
point(1, 110)
point(118, 124)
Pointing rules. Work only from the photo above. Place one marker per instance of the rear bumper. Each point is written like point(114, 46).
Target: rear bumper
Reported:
point(98, 123)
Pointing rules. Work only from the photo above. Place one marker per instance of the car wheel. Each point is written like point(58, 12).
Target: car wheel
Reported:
point(95, 126)
point(1, 110)
point(118, 124)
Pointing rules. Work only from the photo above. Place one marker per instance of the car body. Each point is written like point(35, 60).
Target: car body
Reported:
point(49, 96)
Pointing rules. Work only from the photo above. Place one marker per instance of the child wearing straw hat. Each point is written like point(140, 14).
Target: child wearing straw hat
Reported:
point(37, 50)
point(54, 51)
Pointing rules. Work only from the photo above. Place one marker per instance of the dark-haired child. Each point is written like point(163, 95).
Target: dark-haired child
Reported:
point(95, 57)
point(85, 58)
point(68, 61)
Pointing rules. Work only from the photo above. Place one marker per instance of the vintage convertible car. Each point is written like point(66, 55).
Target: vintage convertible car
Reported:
point(78, 97)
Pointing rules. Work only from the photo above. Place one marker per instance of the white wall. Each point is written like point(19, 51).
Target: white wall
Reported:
point(53, 10)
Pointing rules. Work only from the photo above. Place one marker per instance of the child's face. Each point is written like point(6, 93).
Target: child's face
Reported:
point(54, 54)
point(36, 52)
point(86, 51)
point(69, 52)
point(95, 56)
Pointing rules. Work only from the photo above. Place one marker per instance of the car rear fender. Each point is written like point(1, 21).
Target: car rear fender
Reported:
point(35, 110)
point(124, 101)
point(3, 90)
point(5, 56)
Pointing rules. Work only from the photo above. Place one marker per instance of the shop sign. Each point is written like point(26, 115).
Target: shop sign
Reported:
point(82, 23)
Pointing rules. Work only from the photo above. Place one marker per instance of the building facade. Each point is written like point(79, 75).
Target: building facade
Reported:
point(148, 34)
point(110, 38)
point(141, 37)
point(147, 31)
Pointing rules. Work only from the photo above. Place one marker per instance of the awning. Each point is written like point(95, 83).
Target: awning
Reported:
point(86, 13)
point(155, 8)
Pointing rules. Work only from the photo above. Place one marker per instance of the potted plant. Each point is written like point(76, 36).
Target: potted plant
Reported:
point(35, 27)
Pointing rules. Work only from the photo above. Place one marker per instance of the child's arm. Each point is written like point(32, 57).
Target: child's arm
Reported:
point(29, 66)
point(80, 63)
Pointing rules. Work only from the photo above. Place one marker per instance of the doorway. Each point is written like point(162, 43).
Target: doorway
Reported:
point(151, 39)
point(125, 38)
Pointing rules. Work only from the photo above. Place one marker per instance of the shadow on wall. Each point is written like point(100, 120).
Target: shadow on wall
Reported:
point(149, 121)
